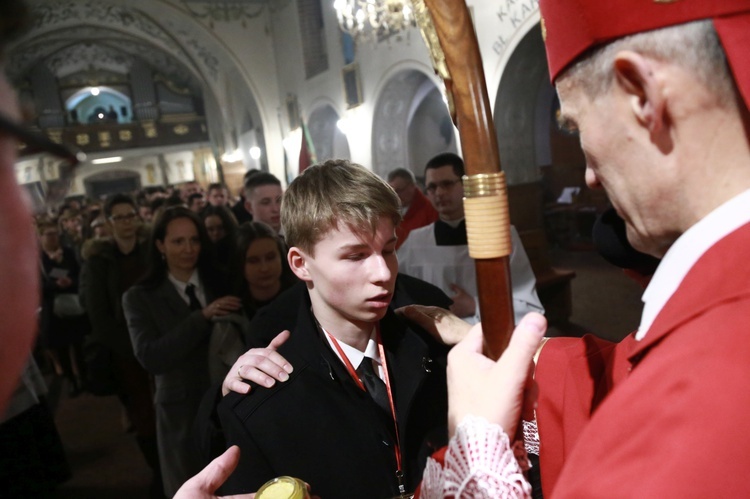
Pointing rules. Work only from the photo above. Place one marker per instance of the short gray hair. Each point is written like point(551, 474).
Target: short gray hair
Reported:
point(693, 45)
point(401, 173)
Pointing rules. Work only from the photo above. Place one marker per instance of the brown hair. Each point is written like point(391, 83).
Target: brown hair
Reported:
point(332, 192)
point(44, 223)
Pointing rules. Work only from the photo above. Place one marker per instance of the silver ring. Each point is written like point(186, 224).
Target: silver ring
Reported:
point(239, 369)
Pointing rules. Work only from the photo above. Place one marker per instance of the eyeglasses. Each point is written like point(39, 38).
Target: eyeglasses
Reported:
point(38, 143)
point(122, 218)
point(432, 187)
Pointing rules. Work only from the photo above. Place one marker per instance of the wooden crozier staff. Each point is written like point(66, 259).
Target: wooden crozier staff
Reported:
point(449, 33)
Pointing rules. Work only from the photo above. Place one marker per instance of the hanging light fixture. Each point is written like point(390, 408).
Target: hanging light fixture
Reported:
point(374, 19)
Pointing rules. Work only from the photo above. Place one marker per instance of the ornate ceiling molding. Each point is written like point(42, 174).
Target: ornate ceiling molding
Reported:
point(182, 51)
point(116, 25)
point(71, 12)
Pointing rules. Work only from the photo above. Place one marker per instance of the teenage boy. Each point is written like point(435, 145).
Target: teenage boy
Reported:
point(263, 199)
point(218, 195)
point(367, 396)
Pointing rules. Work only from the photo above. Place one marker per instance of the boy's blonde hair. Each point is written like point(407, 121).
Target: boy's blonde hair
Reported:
point(334, 192)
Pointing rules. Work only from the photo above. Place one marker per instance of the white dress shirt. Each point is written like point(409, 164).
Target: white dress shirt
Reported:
point(180, 286)
point(355, 356)
point(686, 251)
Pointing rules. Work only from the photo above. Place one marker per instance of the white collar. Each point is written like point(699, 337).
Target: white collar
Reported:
point(686, 251)
point(194, 280)
point(355, 356)
point(453, 223)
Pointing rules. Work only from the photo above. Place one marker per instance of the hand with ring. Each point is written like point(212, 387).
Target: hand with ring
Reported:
point(442, 324)
point(263, 366)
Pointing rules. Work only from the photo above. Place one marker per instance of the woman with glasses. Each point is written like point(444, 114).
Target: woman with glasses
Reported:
point(62, 329)
point(169, 315)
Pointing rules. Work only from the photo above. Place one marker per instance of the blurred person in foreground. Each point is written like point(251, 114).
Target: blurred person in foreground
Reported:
point(32, 460)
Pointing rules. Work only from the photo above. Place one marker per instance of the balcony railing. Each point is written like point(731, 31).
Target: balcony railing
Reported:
point(102, 137)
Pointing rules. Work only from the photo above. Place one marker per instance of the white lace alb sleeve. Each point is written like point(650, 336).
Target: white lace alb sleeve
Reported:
point(479, 464)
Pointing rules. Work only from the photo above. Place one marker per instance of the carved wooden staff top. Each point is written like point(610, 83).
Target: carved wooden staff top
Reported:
point(449, 33)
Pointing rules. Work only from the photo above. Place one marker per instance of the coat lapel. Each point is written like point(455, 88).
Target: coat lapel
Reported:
point(172, 300)
point(407, 356)
point(409, 362)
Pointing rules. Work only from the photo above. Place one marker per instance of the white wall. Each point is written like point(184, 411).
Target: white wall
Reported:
point(500, 26)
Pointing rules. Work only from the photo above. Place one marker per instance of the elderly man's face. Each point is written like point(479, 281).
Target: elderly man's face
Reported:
point(618, 161)
point(404, 190)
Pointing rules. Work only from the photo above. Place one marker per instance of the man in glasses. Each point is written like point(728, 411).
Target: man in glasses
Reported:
point(114, 265)
point(438, 253)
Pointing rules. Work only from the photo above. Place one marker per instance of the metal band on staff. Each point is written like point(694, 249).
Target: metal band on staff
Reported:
point(487, 216)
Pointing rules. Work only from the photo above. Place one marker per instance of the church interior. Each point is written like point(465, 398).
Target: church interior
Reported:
point(157, 93)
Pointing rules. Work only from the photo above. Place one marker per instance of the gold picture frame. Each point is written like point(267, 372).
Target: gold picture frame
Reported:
point(292, 112)
point(352, 85)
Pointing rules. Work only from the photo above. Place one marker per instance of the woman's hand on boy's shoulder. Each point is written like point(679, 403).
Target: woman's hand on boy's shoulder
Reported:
point(263, 366)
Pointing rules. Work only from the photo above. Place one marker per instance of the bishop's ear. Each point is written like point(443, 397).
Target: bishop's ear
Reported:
point(636, 75)
point(298, 263)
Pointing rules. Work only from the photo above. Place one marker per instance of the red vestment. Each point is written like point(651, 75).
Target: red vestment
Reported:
point(677, 425)
point(574, 375)
point(674, 422)
point(420, 213)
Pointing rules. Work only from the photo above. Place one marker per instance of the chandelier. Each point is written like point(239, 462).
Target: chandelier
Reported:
point(374, 19)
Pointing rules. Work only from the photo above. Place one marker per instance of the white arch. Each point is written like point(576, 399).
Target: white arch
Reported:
point(493, 83)
point(400, 92)
point(405, 65)
point(206, 55)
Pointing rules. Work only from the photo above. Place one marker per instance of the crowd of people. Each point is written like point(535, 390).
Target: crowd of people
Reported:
point(120, 261)
point(168, 283)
